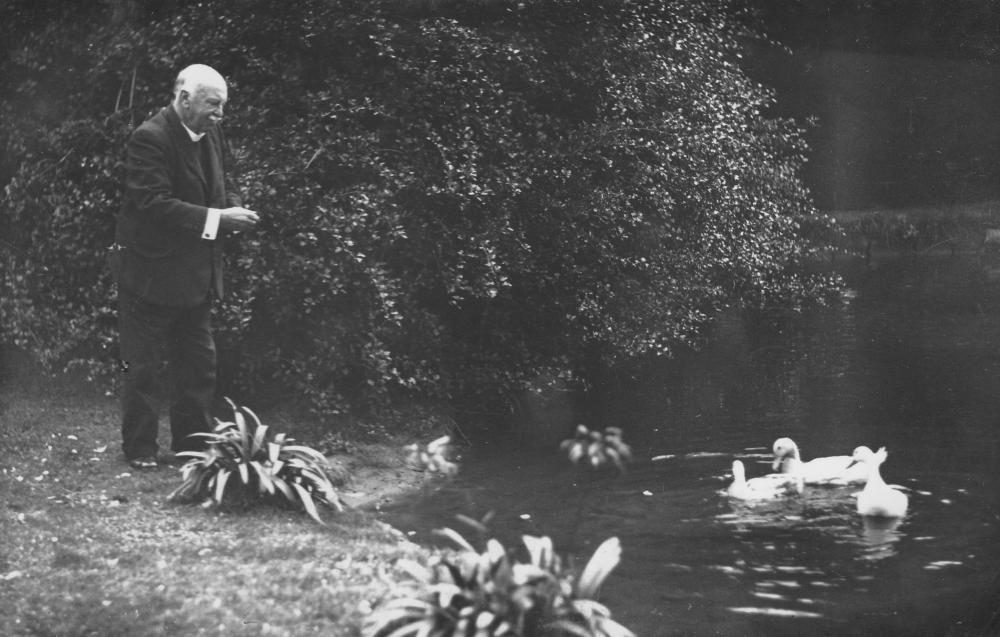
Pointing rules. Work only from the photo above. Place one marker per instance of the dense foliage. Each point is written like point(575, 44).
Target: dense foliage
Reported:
point(456, 196)
point(903, 94)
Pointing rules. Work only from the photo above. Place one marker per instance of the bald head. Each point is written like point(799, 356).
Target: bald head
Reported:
point(196, 77)
point(200, 94)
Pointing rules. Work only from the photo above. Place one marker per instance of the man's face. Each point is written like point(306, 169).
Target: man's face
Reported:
point(202, 109)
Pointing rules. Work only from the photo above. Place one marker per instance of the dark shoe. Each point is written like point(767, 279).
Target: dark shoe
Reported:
point(143, 462)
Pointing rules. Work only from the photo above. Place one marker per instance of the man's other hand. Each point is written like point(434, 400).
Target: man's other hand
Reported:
point(237, 218)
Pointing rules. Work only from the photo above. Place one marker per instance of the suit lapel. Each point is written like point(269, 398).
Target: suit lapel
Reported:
point(189, 151)
point(212, 168)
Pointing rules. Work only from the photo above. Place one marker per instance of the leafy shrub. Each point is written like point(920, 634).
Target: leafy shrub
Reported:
point(493, 594)
point(595, 450)
point(454, 195)
point(54, 300)
point(260, 463)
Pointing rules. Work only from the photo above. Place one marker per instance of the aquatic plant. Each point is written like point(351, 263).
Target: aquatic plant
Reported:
point(596, 450)
point(492, 594)
point(263, 465)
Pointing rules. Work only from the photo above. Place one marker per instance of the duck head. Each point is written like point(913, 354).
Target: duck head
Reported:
point(865, 454)
point(739, 472)
point(784, 450)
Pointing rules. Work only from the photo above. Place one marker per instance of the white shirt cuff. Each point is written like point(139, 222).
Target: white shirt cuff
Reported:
point(211, 224)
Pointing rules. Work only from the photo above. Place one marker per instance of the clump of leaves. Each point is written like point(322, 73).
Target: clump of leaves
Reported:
point(597, 450)
point(433, 457)
point(492, 594)
point(264, 465)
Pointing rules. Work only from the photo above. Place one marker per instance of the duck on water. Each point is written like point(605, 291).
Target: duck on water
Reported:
point(767, 487)
point(830, 470)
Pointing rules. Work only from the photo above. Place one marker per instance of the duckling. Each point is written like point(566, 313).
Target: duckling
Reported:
point(766, 487)
point(832, 470)
point(878, 499)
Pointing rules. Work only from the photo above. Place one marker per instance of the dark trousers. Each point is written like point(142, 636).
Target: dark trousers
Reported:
point(146, 331)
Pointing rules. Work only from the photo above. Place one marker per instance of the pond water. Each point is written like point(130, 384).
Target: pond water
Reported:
point(911, 362)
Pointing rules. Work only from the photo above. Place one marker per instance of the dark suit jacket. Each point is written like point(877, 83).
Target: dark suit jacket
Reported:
point(163, 258)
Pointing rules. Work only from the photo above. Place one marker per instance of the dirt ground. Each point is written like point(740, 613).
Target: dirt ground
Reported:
point(375, 475)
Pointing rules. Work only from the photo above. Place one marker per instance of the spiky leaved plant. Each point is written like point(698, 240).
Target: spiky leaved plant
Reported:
point(596, 450)
point(262, 464)
point(490, 594)
point(433, 457)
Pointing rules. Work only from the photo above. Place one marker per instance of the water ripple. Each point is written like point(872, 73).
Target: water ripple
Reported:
point(774, 612)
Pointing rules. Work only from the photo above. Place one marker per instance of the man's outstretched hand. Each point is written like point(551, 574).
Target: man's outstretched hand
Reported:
point(237, 218)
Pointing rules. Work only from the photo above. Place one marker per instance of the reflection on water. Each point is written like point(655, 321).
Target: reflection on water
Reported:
point(880, 536)
point(912, 363)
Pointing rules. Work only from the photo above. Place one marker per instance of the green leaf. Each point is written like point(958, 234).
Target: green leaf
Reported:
point(309, 452)
point(244, 432)
point(610, 628)
point(420, 628)
point(476, 525)
point(572, 628)
point(412, 605)
point(181, 491)
point(603, 561)
point(264, 480)
point(381, 620)
point(317, 477)
point(455, 537)
point(540, 550)
point(259, 437)
point(414, 569)
point(199, 485)
point(252, 415)
point(307, 502)
point(220, 479)
point(282, 486)
point(438, 445)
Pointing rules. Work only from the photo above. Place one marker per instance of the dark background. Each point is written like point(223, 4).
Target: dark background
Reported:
point(903, 96)
point(899, 95)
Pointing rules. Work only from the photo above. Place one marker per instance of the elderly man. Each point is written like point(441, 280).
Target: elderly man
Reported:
point(179, 203)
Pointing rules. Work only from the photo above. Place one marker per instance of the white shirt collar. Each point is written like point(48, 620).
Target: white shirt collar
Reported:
point(195, 137)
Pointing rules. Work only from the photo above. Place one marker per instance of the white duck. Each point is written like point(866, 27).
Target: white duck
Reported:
point(766, 487)
point(833, 470)
point(878, 499)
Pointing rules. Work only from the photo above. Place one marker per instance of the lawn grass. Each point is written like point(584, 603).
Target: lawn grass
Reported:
point(91, 547)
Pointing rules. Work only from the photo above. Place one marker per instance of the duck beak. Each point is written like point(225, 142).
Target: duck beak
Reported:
point(852, 463)
point(776, 464)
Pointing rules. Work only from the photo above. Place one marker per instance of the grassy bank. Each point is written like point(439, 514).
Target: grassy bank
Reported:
point(91, 547)
point(955, 228)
